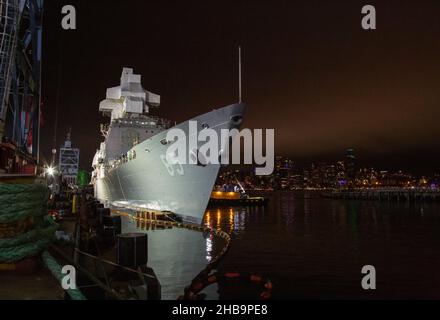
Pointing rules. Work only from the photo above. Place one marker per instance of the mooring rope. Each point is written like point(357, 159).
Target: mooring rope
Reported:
point(204, 278)
point(25, 228)
point(19, 201)
point(25, 231)
point(55, 269)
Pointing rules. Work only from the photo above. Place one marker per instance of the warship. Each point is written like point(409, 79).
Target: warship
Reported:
point(130, 168)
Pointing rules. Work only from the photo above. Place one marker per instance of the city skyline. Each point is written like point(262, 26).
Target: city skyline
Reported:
point(346, 172)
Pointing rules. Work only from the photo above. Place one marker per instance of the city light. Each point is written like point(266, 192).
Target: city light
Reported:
point(350, 172)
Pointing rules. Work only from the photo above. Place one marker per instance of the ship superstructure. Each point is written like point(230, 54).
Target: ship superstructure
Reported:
point(131, 168)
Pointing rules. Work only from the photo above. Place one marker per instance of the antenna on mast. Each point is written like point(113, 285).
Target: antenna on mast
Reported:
point(239, 74)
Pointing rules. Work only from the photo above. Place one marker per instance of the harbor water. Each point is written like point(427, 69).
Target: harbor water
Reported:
point(310, 247)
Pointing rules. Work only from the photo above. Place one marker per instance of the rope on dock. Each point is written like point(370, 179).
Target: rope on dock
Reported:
point(28, 244)
point(25, 230)
point(55, 269)
point(19, 201)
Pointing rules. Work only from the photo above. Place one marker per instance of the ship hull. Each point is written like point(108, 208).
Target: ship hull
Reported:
point(149, 182)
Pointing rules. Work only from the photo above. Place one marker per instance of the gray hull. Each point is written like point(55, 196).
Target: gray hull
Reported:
point(146, 182)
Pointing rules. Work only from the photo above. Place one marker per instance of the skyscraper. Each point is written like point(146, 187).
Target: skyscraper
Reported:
point(350, 166)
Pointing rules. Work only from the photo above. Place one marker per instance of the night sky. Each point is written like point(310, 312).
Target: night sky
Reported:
point(309, 71)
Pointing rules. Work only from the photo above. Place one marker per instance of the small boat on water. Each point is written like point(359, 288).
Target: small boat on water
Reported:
point(234, 195)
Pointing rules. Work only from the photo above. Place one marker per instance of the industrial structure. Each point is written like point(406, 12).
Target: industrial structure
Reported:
point(69, 162)
point(20, 78)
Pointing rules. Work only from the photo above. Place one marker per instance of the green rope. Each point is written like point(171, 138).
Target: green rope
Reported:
point(17, 202)
point(55, 269)
point(8, 255)
point(13, 188)
point(46, 230)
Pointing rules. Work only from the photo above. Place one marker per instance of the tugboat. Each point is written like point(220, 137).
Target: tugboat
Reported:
point(234, 194)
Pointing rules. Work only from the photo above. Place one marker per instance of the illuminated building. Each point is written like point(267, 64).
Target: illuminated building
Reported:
point(350, 165)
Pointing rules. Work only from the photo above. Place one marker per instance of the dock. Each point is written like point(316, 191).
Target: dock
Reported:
point(388, 194)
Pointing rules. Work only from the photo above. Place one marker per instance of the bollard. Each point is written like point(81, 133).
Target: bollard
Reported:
point(74, 204)
point(132, 249)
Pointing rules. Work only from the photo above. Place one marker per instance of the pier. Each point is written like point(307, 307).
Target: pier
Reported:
point(386, 194)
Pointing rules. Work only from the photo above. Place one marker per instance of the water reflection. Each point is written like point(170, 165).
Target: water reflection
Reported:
point(230, 219)
point(311, 247)
point(209, 248)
